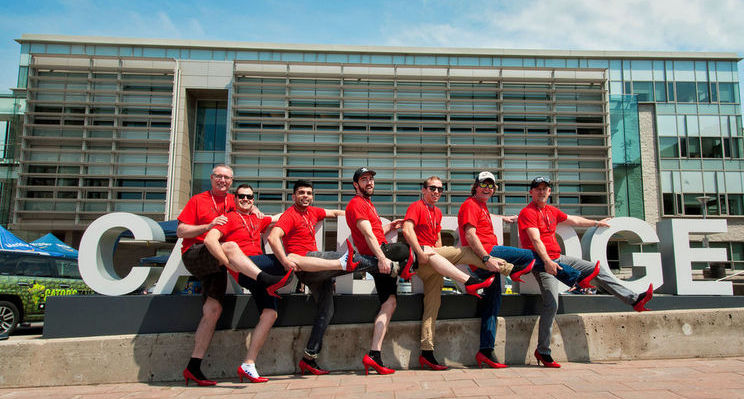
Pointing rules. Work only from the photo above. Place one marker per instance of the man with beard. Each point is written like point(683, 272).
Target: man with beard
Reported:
point(368, 234)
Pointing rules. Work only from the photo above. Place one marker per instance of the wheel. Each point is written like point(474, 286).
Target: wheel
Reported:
point(9, 317)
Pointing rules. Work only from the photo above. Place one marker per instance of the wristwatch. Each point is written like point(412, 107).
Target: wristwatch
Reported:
point(485, 258)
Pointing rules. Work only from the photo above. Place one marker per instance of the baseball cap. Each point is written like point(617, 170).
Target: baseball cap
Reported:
point(485, 175)
point(540, 180)
point(359, 172)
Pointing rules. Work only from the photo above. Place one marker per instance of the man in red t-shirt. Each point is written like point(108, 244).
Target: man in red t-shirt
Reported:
point(422, 230)
point(292, 240)
point(368, 234)
point(537, 226)
point(203, 212)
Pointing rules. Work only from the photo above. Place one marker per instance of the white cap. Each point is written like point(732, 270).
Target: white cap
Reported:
point(485, 175)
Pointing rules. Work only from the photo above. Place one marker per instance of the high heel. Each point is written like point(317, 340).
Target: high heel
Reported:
point(271, 290)
point(515, 276)
point(434, 366)
point(640, 305)
point(188, 375)
point(369, 362)
point(406, 273)
point(305, 366)
point(584, 283)
point(472, 289)
point(546, 360)
point(350, 264)
point(242, 374)
point(481, 358)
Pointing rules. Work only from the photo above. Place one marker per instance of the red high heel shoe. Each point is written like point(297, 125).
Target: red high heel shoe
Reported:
point(515, 276)
point(406, 273)
point(481, 358)
point(472, 289)
point(202, 383)
point(242, 374)
point(369, 362)
point(546, 360)
point(350, 264)
point(304, 366)
point(423, 362)
point(271, 290)
point(640, 305)
point(585, 282)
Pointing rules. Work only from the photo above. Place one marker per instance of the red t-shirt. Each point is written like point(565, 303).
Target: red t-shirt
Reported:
point(362, 209)
point(476, 214)
point(545, 220)
point(299, 229)
point(244, 230)
point(202, 209)
point(427, 222)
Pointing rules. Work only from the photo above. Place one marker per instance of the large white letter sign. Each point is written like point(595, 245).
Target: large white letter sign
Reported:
point(96, 256)
point(677, 256)
point(595, 243)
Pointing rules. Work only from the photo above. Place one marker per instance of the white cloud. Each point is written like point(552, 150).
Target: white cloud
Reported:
point(587, 24)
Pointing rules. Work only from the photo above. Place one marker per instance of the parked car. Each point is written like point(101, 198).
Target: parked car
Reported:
point(27, 280)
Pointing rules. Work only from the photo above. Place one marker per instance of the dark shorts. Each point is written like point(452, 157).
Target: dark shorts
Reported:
point(269, 264)
point(384, 284)
point(202, 265)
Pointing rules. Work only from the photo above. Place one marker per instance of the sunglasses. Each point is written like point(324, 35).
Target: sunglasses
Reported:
point(487, 185)
point(435, 189)
point(244, 196)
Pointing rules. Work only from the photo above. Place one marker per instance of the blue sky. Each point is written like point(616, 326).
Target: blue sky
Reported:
point(689, 25)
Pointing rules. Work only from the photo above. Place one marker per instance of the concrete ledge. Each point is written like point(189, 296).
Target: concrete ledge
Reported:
point(577, 337)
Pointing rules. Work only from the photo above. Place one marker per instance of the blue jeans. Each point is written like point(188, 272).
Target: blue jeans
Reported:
point(491, 299)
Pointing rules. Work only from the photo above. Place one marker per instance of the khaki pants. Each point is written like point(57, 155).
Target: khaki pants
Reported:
point(433, 283)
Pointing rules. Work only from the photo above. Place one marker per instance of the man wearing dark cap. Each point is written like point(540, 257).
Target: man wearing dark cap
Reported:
point(537, 225)
point(368, 235)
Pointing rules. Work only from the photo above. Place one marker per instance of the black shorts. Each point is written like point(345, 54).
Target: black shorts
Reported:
point(384, 284)
point(268, 264)
point(205, 267)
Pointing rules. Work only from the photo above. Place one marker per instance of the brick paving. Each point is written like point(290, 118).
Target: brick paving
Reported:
point(655, 379)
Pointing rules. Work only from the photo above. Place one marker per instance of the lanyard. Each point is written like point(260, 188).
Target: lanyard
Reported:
point(372, 207)
point(309, 225)
point(224, 204)
point(431, 213)
point(546, 218)
point(250, 227)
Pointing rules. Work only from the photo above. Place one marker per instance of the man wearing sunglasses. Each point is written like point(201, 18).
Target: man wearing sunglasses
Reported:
point(537, 225)
point(201, 213)
point(476, 231)
point(422, 229)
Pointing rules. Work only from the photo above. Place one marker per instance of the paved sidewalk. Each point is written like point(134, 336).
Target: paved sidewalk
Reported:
point(657, 379)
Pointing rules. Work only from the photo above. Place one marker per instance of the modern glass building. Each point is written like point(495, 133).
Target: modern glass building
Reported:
point(136, 125)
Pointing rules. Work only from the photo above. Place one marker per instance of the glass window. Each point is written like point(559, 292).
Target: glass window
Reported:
point(702, 92)
point(686, 92)
point(712, 147)
point(644, 90)
point(660, 91)
point(726, 92)
point(668, 147)
point(693, 147)
point(683, 70)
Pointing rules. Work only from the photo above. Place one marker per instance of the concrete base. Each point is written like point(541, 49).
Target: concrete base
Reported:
point(576, 337)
